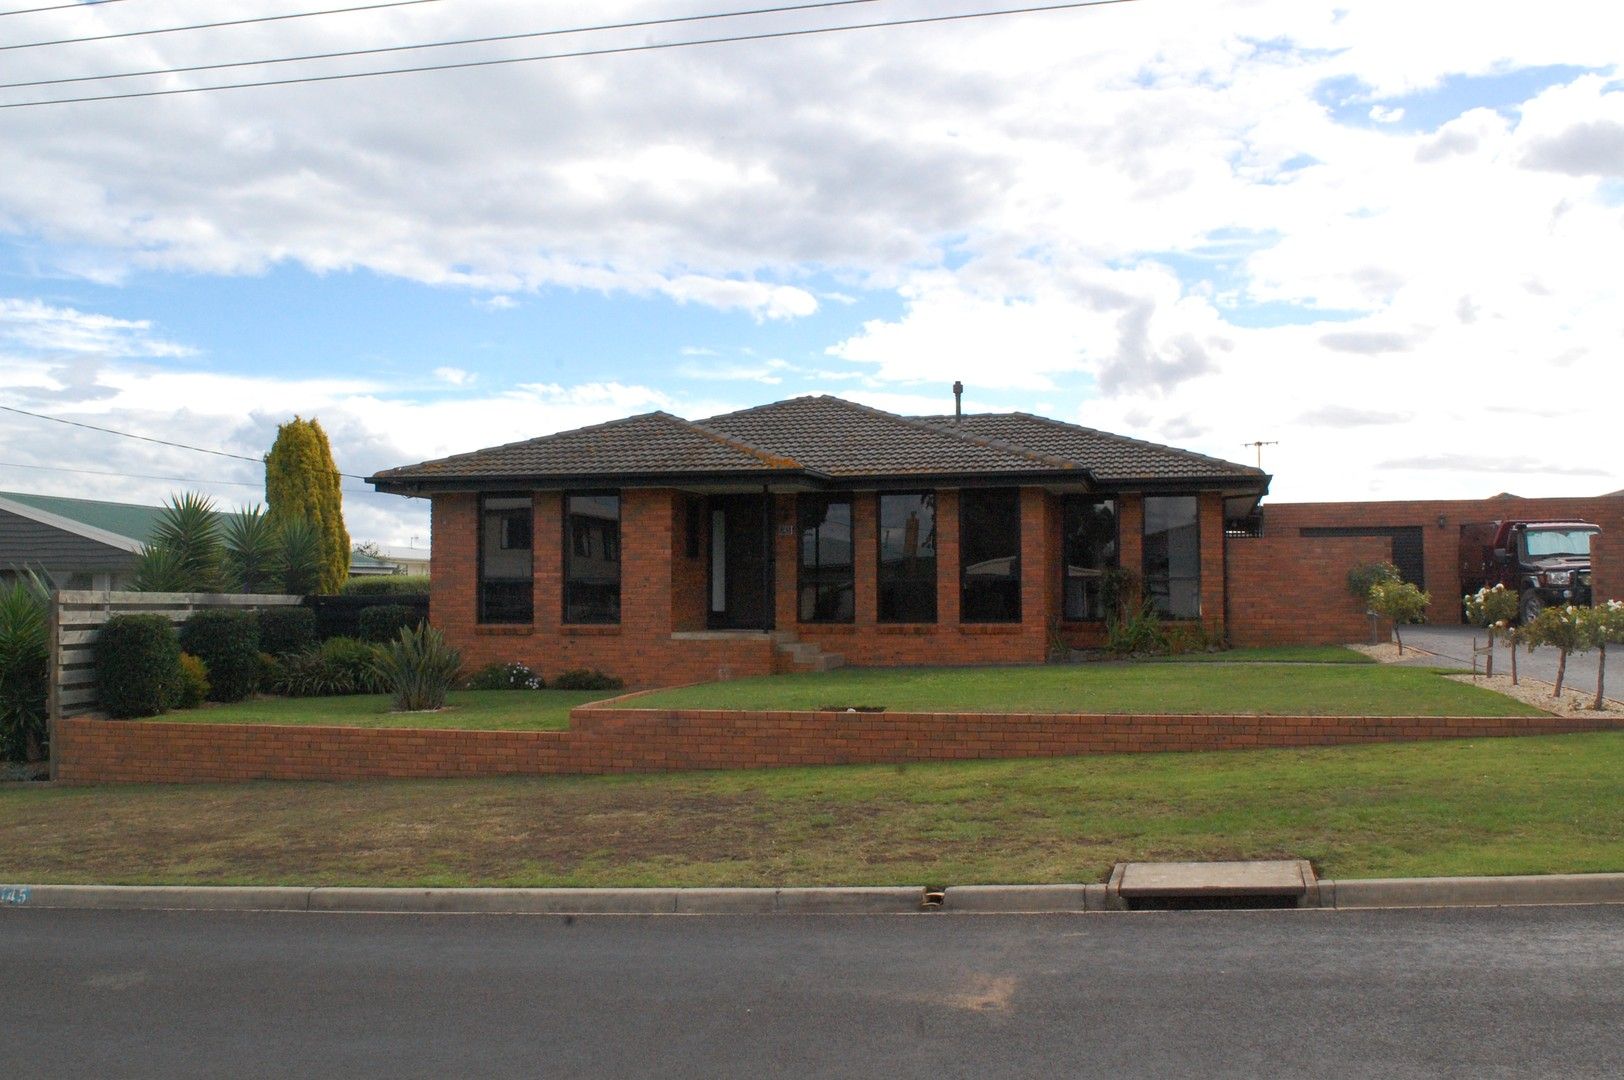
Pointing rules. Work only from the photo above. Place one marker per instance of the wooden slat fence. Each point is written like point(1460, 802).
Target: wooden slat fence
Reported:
point(76, 620)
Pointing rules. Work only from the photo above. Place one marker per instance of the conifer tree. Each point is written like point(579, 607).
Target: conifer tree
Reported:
point(301, 483)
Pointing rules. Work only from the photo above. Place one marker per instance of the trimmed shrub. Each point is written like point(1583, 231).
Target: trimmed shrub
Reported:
point(392, 585)
point(353, 665)
point(419, 668)
point(384, 622)
point(137, 665)
point(284, 630)
point(270, 673)
point(228, 643)
point(513, 676)
point(582, 679)
point(192, 688)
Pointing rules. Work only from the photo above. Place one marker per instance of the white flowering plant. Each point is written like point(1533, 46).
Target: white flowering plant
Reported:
point(1492, 609)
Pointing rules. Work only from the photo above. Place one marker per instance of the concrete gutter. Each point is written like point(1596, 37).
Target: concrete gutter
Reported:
point(977, 899)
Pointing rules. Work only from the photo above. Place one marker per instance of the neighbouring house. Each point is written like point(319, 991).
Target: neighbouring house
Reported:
point(388, 561)
point(665, 550)
point(93, 544)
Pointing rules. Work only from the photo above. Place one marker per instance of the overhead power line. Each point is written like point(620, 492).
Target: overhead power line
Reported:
point(491, 39)
point(150, 476)
point(650, 47)
point(60, 7)
point(214, 25)
point(149, 438)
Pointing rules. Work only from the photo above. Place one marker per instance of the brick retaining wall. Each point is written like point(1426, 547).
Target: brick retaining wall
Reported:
point(616, 740)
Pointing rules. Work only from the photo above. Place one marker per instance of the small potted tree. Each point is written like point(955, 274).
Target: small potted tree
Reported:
point(1400, 602)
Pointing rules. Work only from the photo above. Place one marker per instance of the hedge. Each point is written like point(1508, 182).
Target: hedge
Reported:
point(137, 665)
point(228, 644)
point(284, 630)
point(386, 621)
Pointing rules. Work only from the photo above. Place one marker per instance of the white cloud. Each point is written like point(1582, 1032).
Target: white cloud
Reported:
point(455, 376)
point(45, 328)
point(1385, 114)
point(499, 302)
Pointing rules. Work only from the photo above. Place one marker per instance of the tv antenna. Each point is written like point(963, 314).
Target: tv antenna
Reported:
point(1258, 445)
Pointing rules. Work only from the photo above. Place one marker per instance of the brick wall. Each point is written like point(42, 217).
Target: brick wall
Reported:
point(1285, 589)
point(630, 740)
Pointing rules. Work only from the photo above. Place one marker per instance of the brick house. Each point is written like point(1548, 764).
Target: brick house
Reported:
point(801, 533)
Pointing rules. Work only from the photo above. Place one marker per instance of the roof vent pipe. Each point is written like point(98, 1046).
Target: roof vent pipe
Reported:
point(958, 401)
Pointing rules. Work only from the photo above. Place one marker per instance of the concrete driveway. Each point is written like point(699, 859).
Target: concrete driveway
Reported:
point(1453, 648)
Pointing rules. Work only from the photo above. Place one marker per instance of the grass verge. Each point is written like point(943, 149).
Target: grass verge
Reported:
point(482, 710)
point(1297, 689)
point(1487, 806)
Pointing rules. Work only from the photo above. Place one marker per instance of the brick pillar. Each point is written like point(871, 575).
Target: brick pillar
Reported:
point(453, 563)
point(547, 551)
point(645, 563)
point(1131, 534)
point(1210, 518)
point(947, 558)
point(1037, 565)
point(865, 555)
point(786, 562)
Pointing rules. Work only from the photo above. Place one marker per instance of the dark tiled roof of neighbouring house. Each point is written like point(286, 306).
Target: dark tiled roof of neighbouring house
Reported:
point(652, 443)
point(1110, 458)
point(841, 438)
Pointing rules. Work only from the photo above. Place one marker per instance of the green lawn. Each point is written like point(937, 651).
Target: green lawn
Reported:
point(485, 710)
point(1295, 689)
point(1274, 654)
point(1484, 806)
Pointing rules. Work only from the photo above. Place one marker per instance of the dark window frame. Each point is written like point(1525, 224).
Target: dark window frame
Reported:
point(967, 602)
point(821, 578)
point(1067, 505)
point(567, 548)
point(879, 558)
point(481, 600)
point(1144, 548)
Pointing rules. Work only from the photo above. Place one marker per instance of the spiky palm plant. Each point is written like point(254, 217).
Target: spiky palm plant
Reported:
point(161, 569)
point(419, 668)
point(24, 606)
point(190, 528)
point(253, 552)
point(303, 557)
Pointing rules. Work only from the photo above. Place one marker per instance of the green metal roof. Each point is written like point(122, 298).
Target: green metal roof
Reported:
point(123, 519)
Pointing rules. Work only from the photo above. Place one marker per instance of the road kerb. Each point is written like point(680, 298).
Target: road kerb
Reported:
point(1473, 891)
point(1371, 893)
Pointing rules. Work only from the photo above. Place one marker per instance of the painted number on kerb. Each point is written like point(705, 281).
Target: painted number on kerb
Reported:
point(13, 894)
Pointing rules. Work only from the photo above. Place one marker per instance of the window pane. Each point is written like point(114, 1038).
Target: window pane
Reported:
point(1172, 566)
point(990, 555)
point(592, 559)
point(1089, 544)
point(505, 559)
point(826, 568)
point(907, 568)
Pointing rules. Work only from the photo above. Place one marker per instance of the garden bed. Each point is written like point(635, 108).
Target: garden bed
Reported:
point(470, 710)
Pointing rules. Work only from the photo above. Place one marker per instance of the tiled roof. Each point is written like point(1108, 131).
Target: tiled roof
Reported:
point(841, 438)
point(655, 442)
point(824, 437)
point(1110, 458)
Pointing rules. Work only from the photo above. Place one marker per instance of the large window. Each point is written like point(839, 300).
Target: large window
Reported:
point(505, 559)
point(826, 568)
point(1088, 550)
point(990, 555)
point(907, 569)
point(1173, 556)
point(592, 558)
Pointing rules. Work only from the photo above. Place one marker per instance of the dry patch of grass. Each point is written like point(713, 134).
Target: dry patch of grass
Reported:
point(1487, 806)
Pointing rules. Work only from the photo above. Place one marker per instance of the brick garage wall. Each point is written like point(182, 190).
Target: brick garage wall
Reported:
point(1285, 589)
point(625, 741)
point(1441, 544)
point(1607, 560)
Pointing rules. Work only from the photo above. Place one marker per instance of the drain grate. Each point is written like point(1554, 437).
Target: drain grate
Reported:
point(1199, 886)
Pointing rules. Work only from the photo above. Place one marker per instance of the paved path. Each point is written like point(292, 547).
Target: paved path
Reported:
point(1454, 643)
point(1482, 993)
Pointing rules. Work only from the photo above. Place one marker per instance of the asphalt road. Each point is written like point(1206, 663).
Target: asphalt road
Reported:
point(1470, 993)
point(1454, 645)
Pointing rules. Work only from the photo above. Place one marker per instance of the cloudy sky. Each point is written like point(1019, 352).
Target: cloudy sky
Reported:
point(1386, 236)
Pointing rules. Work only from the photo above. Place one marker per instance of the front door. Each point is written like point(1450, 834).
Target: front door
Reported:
point(741, 563)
